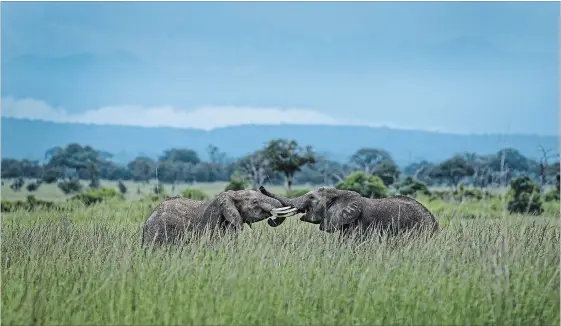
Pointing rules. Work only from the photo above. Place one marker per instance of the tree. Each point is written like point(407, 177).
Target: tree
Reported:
point(11, 168)
point(208, 172)
point(525, 196)
point(76, 161)
point(52, 152)
point(388, 172)
point(543, 166)
point(142, 168)
point(411, 186)
point(287, 157)
point(369, 186)
point(180, 155)
point(508, 162)
point(215, 155)
point(114, 172)
point(453, 170)
point(324, 171)
point(255, 166)
point(512, 158)
point(483, 173)
point(420, 171)
point(94, 175)
point(375, 161)
point(482, 177)
point(554, 194)
point(171, 172)
point(333, 171)
point(367, 159)
point(552, 171)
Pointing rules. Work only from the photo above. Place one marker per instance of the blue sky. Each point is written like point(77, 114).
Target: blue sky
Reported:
point(462, 67)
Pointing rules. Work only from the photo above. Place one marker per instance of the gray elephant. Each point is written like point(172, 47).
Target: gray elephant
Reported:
point(229, 210)
point(347, 211)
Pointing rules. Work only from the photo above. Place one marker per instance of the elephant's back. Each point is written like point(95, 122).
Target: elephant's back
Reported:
point(176, 208)
point(405, 211)
point(171, 217)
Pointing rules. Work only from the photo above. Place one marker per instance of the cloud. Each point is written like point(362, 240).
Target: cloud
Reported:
point(206, 118)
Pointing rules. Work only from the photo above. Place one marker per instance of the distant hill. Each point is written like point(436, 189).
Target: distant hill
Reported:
point(22, 138)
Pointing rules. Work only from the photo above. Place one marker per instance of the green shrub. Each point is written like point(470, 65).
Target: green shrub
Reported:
point(95, 196)
point(525, 196)
point(122, 187)
point(194, 194)
point(410, 187)
point(297, 193)
point(17, 184)
point(33, 186)
point(70, 186)
point(30, 204)
point(461, 194)
point(7, 206)
point(552, 195)
point(236, 184)
point(368, 186)
point(475, 194)
point(159, 189)
point(50, 176)
point(94, 183)
point(154, 198)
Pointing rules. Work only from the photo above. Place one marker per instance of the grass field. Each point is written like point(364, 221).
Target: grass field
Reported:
point(86, 267)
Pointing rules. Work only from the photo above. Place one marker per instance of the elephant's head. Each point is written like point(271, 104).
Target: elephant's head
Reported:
point(331, 208)
point(250, 206)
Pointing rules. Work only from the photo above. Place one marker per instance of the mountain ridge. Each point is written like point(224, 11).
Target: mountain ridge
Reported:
point(406, 146)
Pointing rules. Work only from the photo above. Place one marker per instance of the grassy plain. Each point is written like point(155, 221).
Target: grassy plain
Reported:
point(86, 267)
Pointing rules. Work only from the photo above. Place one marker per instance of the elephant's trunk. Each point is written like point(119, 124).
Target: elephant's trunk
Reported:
point(285, 201)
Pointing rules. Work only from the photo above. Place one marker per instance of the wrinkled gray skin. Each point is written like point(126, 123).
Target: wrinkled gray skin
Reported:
point(347, 211)
point(229, 210)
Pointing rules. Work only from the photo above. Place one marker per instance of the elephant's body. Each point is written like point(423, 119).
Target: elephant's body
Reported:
point(175, 216)
point(395, 213)
point(169, 221)
point(346, 210)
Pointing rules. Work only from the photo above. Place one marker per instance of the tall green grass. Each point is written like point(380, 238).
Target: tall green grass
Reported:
point(86, 267)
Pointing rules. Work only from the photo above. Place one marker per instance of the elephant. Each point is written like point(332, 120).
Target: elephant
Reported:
point(229, 210)
point(347, 211)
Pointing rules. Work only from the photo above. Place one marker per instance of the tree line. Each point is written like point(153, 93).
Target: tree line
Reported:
point(282, 161)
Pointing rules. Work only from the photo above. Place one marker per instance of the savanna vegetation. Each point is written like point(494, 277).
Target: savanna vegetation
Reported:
point(71, 242)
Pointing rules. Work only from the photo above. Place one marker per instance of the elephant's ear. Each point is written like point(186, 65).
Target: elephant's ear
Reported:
point(341, 213)
point(229, 210)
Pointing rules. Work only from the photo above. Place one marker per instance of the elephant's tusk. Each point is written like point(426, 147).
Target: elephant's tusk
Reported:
point(284, 213)
point(282, 209)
